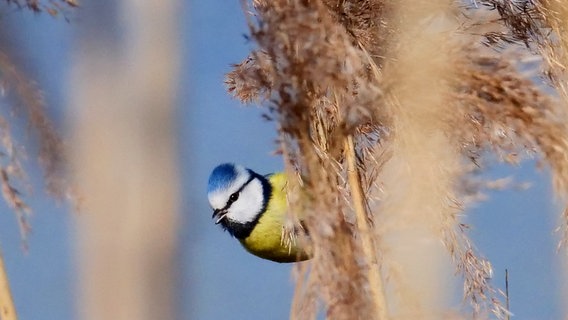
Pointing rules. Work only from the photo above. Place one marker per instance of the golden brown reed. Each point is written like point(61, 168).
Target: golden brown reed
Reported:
point(541, 123)
point(7, 308)
point(419, 178)
point(424, 90)
point(313, 72)
point(555, 53)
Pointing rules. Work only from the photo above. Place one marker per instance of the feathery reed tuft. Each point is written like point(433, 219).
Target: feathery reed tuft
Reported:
point(53, 7)
point(396, 101)
point(28, 101)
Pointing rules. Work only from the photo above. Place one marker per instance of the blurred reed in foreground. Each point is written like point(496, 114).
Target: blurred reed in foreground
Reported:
point(124, 159)
point(416, 94)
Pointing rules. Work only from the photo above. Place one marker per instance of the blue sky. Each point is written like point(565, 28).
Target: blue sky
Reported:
point(514, 229)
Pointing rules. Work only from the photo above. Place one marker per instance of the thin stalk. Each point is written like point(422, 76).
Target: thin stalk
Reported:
point(369, 250)
point(507, 293)
point(7, 309)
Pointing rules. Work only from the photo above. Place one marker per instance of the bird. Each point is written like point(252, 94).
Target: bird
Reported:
point(253, 209)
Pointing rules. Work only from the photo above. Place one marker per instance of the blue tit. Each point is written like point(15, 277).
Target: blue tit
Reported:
point(252, 208)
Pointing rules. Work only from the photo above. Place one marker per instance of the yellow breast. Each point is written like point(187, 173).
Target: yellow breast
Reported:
point(265, 240)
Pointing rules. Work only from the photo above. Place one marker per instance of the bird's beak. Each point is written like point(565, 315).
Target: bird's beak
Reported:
point(219, 215)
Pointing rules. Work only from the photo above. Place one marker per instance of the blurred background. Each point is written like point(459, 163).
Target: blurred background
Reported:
point(217, 279)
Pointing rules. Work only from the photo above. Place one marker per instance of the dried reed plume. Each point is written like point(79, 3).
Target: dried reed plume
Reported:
point(28, 101)
point(405, 96)
point(53, 7)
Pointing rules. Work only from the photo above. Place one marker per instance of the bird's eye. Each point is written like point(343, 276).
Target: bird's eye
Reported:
point(234, 197)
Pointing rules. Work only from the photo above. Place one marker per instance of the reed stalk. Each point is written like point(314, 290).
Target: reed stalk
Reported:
point(7, 308)
point(374, 277)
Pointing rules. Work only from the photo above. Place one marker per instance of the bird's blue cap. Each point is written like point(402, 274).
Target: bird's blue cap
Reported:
point(221, 177)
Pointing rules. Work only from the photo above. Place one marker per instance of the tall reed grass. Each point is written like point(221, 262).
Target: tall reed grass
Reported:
point(123, 155)
point(410, 98)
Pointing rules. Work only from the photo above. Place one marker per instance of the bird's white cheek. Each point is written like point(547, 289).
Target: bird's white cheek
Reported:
point(249, 204)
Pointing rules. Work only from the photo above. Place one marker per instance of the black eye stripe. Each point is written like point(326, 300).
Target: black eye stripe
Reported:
point(233, 199)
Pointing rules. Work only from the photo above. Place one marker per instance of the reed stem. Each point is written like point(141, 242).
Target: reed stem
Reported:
point(7, 308)
point(369, 250)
